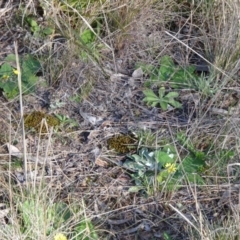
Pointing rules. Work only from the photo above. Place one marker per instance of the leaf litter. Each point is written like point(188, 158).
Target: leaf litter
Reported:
point(87, 169)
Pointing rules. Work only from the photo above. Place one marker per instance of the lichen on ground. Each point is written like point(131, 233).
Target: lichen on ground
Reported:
point(34, 119)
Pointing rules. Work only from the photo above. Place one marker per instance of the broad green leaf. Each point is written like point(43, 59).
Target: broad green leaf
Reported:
point(30, 65)
point(32, 22)
point(195, 178)
point(6, 69)
point(88, 36)
point(10, 58)
point(175, 103)
point(85, 231)
point(48, 31)
point(29, 80)
point(8, 80)
point(162, 176)
point(170, 149)
point(10, 89)
point(12, 94)
point(199, 156)
point(135, 189)
point(150, 93)
point(134, 166)
point(166, 68)
point(161, 92)
point(151, 99)
point(182, 77)
point(145, 153)
point(60, 213)
point(35, 29)
point(164, 158)
point(164, 105)
point(172, 95)
point(153, 104)
point(192, 165)
point(135, 157)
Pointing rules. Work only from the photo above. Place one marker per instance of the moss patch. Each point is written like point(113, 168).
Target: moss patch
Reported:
point(34, 119)
point(122, 143)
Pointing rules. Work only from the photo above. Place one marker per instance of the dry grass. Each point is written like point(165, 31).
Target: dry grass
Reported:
point(76, 168)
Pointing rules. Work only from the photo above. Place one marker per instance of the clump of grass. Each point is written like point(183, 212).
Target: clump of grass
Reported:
point(35, 212)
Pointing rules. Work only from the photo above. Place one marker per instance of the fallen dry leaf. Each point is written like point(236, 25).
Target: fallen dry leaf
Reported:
point(101, 162)
point(13, 150)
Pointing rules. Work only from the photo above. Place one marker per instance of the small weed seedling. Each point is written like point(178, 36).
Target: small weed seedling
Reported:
point(198, 157)
point(176, 76)
point(66, 122)
point(8, 75)
point(163, 99)
point(36, 29)
point(87, 41)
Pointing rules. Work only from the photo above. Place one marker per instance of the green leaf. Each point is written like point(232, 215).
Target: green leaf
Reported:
point(192, 165)
point(164, 158)
point(135, 189)
point(6, 69)
point(183, 139)
point(195, 178)
point(161, 92)
point(134, 166)
point(32, 79)
point(175, 103)
point(182, 77)
point(60, 213)
point(162, 176)
point(88, 36)
point(32, 22)
point(151, 99)
point(172, 95)
point(153, 104)
point(164, 105)
point(144, 152)
point(10, 89)
point(84, 231)
point(48, 31)
point(8, 80)
point(10, 58)
point(149, 93)
point(147, 68)
point(166, 236)
point(190, 70)
point(30, 65)
point(166, 68)
point(200, 156)
point(35, 29)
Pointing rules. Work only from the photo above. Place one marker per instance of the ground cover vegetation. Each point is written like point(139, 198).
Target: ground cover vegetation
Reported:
point(119, 119)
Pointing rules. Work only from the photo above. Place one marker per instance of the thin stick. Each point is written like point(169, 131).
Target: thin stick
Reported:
point(21, 111)
point(184, 217)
